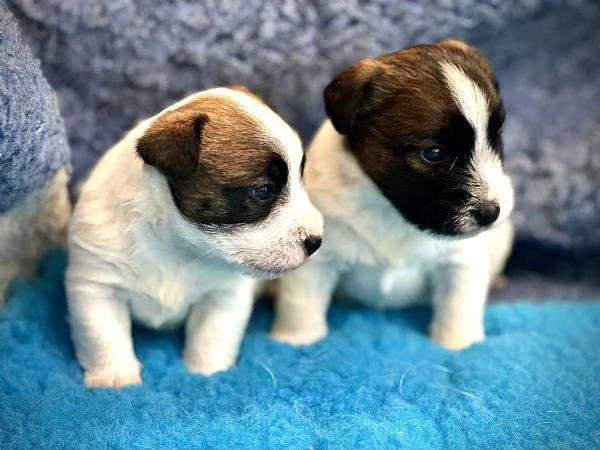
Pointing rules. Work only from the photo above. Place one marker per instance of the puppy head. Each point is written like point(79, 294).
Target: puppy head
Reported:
point(425, 124)
point(234, 171)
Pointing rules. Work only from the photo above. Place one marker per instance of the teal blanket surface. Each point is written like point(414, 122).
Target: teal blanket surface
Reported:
point(375, 382)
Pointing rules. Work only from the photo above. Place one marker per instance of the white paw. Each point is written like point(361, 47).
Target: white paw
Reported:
point(302, 337)
point(115, 377)
point(456, 340)
point(206, 368)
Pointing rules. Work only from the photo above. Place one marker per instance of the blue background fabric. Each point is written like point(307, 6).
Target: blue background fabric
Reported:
point(33, 142)
point(375, 382)
point(114, 62)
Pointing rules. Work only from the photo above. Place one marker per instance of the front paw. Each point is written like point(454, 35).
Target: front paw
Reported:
point(206, 368)
point(456, 339)
point(114, 377)
point(307, 336)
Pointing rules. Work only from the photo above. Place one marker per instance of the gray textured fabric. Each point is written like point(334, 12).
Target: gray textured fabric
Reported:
point(549, 68)
point(33, 143)
point(115, 62)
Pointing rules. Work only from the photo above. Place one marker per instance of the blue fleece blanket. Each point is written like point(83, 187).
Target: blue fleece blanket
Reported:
point(375, 382)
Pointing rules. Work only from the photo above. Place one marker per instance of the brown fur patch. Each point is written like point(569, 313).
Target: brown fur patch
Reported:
point(454, 43)
point(394, 107)
point(400, 96)
point(213, 152)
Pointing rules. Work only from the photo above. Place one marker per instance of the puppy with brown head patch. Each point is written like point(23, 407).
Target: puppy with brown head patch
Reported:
point(408, 175)
point(175, 223)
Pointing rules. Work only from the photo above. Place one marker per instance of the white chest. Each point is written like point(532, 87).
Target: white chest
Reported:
point(385, 262)
point(404, 282)
point(161, 291)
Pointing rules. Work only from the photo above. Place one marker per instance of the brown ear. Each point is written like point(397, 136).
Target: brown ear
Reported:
point(171, 143)
point(454, 43)
point(350, 94)
point(473, 52)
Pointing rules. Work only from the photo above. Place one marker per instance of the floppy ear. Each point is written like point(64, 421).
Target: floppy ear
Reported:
point(454, 44)
point(350, 94)
point(172, 142)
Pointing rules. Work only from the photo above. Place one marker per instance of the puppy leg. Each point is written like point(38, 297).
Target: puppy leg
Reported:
point(302, 304)
point(101, 330)
point(214, 330)
point(458, 307)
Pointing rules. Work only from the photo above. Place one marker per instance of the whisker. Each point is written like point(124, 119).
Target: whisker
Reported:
point(453, 163)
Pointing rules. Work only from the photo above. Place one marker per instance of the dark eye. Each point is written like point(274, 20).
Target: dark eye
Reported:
point(263, 193)
point(434, 155)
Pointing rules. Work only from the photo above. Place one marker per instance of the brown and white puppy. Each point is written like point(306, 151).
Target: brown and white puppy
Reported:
point(174, 224)
point(408, 175)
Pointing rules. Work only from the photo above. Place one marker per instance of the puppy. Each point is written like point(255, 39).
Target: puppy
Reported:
point(29, 230)
point(408, 175)
point(175, 223)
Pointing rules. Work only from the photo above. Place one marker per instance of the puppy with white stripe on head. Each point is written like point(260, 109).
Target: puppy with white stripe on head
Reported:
point(408, 175)
point(175, 223)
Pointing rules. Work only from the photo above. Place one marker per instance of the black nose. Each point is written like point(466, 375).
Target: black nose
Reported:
point(312, 244)
point(487, 214)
